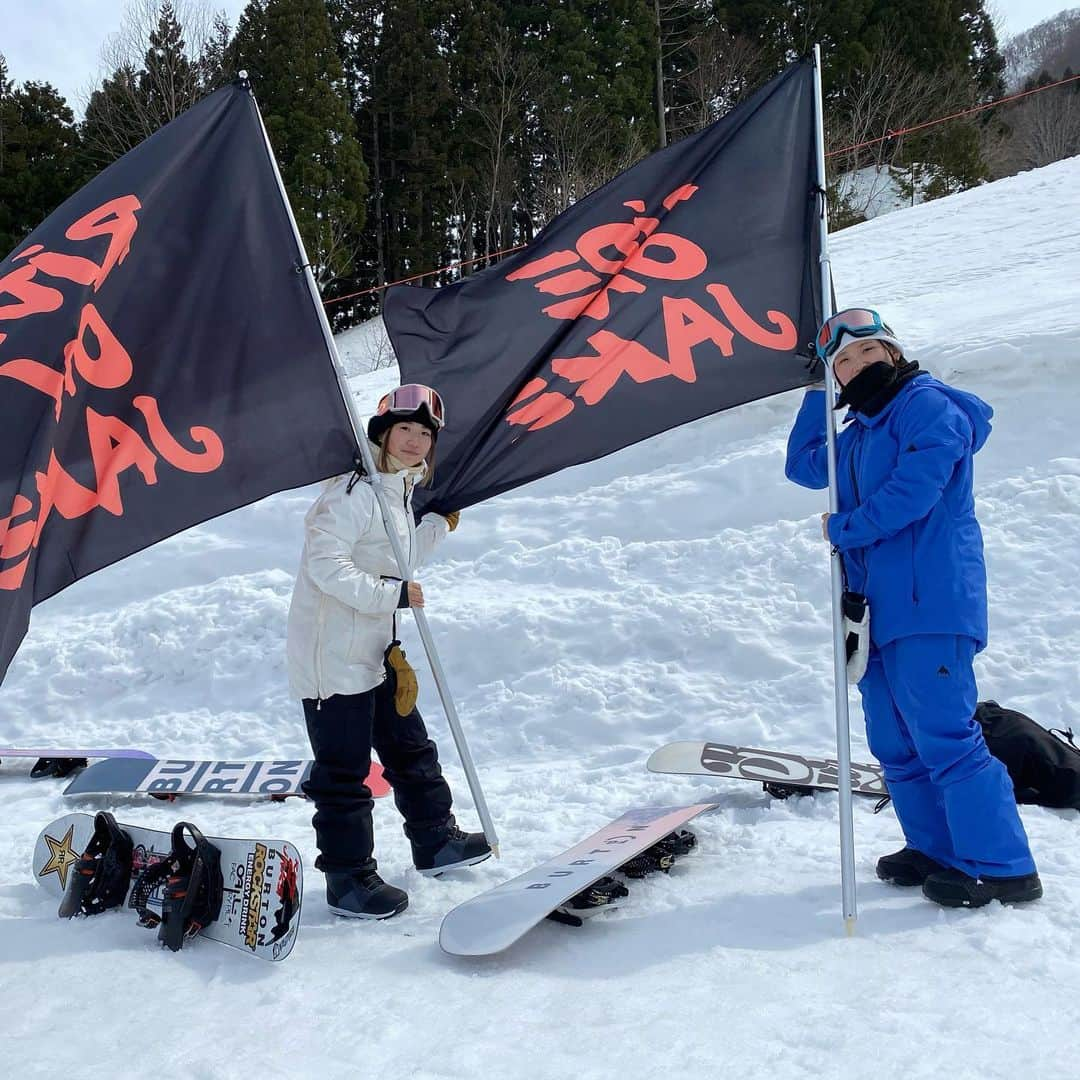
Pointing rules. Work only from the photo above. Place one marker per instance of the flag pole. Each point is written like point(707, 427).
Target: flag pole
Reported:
point(369, 467)
point(843, 733)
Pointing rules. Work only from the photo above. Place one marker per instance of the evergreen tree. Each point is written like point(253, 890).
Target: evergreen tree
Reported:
point(39, 161)
point(215, 67)
point(113, 124)
point(357, 26)
point(169, 82)
point(158, 69)
point(288, 49)
point(8, 123)
point(948, 42)
point(156, 75)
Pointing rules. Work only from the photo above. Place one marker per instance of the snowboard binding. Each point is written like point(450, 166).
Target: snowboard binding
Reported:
point(193, 888)
point(785, 791)
point(289, 895)
point(56, 767)
point(661, 856)
point(599, 896)
point(100, 878)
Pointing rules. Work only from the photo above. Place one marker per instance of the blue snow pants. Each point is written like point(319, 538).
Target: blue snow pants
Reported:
point(954, 800)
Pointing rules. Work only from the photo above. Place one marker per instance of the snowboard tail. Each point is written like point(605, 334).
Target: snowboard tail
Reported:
point(786, 773)
point(61, 763)
point(494, 920)
point(262, 882)
point(172, 777)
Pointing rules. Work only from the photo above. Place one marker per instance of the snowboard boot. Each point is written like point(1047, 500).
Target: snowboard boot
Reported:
point(362, 894)
point(451, 850)
point(953, 888)
point(907, 867)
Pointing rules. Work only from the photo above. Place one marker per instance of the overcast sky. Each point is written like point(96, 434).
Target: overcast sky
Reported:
point(59, 41)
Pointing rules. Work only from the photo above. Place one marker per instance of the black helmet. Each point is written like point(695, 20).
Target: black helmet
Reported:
point(411, 402)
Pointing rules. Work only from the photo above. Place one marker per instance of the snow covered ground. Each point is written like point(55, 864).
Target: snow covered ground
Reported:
point(676, 590)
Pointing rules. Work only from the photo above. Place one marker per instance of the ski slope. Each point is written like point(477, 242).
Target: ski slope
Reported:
point(675, 590)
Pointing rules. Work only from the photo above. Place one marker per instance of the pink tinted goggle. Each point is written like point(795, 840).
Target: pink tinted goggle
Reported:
point(409, 398)
point(858, 322)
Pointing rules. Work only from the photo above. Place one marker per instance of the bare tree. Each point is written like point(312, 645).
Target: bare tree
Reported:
point(154, 67)
point(1051, 45)
point(500, 109)
point(464, 209)
point(1046, 128)
point(677, 24)
point(335, 245)
point(580, 153)
point(723, 67)
point(863, 128)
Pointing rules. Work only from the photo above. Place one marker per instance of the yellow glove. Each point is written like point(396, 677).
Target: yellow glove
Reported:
point(405, 685)
point(452, 519)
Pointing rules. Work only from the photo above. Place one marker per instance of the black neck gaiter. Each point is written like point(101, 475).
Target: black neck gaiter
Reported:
point(875, 386)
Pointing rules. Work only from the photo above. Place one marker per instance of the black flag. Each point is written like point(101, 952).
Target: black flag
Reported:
point(686, 285)
point(161, 358)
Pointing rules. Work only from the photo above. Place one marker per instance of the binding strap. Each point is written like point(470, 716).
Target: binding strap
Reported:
point(1064, 736)
point(102, 876)
point(193, 888)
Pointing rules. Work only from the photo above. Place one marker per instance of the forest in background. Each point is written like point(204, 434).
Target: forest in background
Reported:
point(412, 134)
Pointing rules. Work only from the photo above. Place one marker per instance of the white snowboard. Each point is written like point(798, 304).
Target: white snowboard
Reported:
point(494, 920)
point(263, 882)
point(764, 766)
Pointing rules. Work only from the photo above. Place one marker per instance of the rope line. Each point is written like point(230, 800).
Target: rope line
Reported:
point(832, 153)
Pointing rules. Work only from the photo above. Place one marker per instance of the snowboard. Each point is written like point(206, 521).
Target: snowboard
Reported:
point(170, 778)
point(62, 763)
point(787, 773)
point(263, 882)
point(494, 920)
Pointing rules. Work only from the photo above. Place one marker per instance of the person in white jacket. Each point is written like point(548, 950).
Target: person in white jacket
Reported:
point(345, 666)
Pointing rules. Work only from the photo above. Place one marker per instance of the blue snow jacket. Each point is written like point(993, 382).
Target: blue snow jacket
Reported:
point(906, 524)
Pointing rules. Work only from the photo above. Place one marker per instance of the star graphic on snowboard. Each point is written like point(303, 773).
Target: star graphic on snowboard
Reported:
point(61, 856)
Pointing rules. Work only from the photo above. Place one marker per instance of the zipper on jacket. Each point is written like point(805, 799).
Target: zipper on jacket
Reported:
point(858, 500)
point(408, 523)
point(914, 586)
point(318, 652)
point(409, 527)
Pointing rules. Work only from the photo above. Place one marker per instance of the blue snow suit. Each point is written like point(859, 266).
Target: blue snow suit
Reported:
point(908, 535)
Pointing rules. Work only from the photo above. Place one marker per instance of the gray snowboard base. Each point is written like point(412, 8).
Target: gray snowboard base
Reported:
point(764, 766)
point(494, 920)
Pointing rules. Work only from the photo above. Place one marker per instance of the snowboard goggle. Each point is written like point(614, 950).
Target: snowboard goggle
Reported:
point(409, 398)
point(858, 322)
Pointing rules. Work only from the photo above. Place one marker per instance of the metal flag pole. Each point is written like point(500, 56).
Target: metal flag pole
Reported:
point(371, 473)
point(843, 733)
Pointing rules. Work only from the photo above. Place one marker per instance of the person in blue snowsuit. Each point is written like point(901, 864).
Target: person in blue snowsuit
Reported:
point(910, 542)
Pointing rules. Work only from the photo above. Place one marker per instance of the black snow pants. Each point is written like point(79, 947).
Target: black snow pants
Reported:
point(343, 729)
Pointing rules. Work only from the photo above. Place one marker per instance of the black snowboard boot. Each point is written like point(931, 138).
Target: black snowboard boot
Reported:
point(362, 894)
point(452, 850)
point(907, 867)
point(953, 888)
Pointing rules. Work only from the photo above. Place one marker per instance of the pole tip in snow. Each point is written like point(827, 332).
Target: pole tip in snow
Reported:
point(495, 850)
point(849, 925)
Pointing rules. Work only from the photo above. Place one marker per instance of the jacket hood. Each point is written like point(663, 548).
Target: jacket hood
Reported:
point(976, 410)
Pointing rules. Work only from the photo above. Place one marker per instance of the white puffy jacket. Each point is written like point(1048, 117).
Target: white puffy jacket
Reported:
point(342, 614)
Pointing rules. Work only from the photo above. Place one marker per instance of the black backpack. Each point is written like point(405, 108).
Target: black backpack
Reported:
point(1044, 765)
